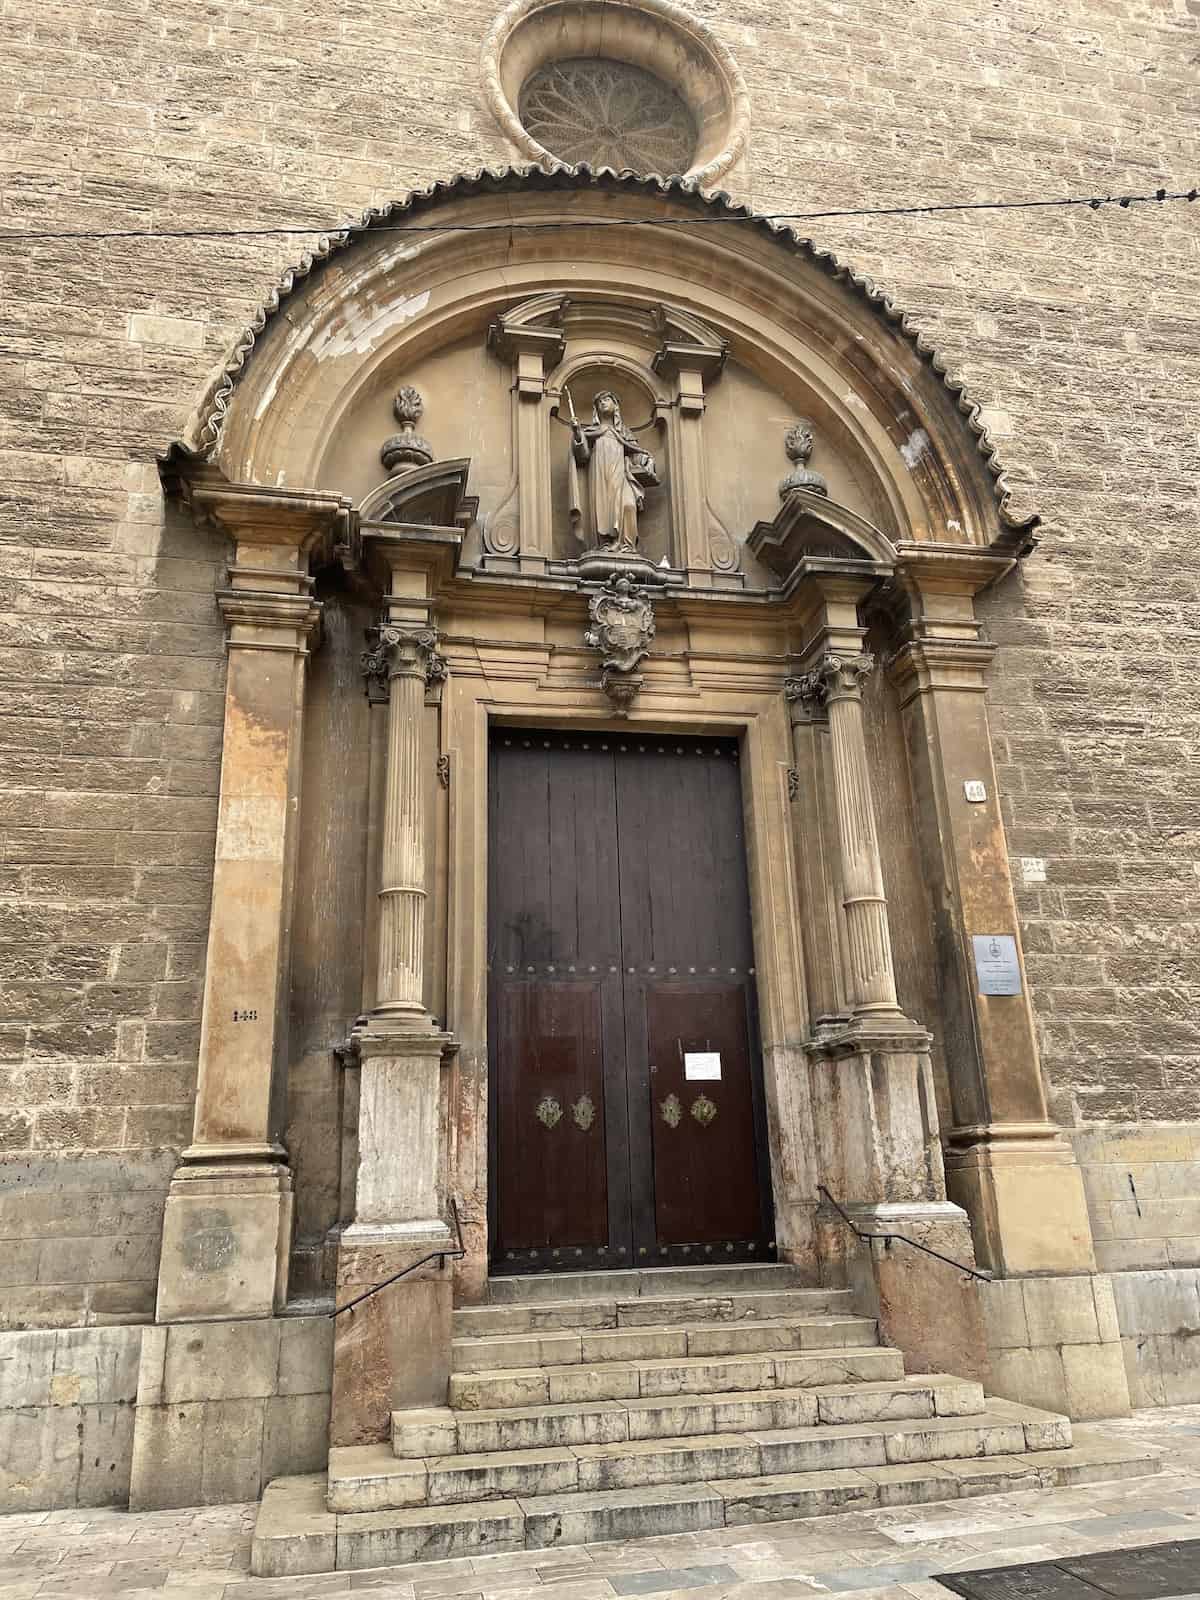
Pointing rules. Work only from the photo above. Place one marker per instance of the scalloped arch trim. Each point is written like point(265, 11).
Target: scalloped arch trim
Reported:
point(204, 431)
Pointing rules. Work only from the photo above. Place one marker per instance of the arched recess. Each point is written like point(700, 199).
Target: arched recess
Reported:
point(484, 294)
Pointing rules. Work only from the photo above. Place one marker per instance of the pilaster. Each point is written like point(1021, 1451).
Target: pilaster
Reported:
point(227, 1223)
point(704, 549)
point(1006, 1162)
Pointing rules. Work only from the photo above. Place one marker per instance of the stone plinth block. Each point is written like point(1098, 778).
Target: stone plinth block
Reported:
point(873, 1110)
point(398, 1125)
point(1055, 1343)
point(926, 1308)
point(392, 1351)
point(226, 1232)
point(1025, 1197)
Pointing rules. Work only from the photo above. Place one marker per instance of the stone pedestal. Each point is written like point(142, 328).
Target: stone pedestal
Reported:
point(226, 1234)
point(1006, 1163)
point(392, 1351)
point(923, 1306)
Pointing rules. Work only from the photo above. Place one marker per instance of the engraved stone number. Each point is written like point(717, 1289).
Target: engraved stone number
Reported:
point(241, 1015)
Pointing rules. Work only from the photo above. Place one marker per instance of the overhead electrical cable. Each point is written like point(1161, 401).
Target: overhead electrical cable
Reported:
point(1089, 202)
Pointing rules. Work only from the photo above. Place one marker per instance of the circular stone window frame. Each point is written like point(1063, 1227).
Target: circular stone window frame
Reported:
point(655, 35)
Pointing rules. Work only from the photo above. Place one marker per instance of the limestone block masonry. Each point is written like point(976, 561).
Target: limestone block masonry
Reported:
point(244, 1033)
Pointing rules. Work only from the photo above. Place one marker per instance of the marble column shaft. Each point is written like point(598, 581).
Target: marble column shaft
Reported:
point(401, 967)
point(836, 683)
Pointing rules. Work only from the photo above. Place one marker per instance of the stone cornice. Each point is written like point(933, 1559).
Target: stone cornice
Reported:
point(301, 519)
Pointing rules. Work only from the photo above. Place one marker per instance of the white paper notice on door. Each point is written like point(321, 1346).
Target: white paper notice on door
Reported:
point(702, 1066)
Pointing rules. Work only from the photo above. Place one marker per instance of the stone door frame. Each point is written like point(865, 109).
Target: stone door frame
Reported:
point(759, 720)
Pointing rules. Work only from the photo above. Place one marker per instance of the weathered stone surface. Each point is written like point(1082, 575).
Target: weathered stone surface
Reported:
point(294, 1532)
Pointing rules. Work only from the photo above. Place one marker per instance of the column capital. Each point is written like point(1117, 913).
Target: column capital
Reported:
point(925, 663)
point(257, 619)
point(396, 650)
point(832, 677)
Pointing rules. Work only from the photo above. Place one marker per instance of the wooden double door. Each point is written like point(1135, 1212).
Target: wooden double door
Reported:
point(627, 1125)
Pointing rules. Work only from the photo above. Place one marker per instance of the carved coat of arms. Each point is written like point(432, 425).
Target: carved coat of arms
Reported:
point(622, 625)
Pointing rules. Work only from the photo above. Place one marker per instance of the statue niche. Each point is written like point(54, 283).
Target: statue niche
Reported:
point(619, 471)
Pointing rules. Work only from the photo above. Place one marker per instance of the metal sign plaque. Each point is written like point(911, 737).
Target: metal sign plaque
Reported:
point(996, 963)
point(1152, 1572)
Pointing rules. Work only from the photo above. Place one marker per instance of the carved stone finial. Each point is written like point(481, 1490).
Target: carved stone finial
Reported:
point(798, 442)
point(407, 449)
point(622, 628)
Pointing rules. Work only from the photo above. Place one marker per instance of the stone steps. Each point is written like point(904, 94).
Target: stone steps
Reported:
point(588, 1347)
point(648, 1311)
point(594, 1406)
point(447, 1432)
point(575, 1383)
point(634, 1283)
point(296, 1532)
point(371, 1478)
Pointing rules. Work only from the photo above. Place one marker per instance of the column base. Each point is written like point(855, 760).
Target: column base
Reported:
point(924, 1307)
point(227, 1230)
point(392, 1351)
point(1021, 1187)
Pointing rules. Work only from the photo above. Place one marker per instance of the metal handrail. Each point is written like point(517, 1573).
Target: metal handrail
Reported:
point(902, 1238)
point(440, 1256)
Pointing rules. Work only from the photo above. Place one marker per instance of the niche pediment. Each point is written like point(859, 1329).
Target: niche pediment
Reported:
point(739, 329)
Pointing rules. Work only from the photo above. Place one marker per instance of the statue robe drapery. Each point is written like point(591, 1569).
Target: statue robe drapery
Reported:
point(614, 493)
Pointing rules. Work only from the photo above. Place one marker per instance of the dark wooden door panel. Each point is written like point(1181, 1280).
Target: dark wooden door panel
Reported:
point(550, 1117)
point(705, 1173)
point(619, 941)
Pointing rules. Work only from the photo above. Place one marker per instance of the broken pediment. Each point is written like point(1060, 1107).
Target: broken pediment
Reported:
point(808, 523)
point(431, 496)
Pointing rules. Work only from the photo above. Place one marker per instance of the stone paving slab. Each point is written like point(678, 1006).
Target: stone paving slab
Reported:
point(886, 1554)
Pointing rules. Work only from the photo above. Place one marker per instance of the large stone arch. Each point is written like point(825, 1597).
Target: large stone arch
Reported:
point(830, 627)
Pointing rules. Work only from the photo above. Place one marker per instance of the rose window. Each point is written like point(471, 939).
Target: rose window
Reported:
point(608, 114)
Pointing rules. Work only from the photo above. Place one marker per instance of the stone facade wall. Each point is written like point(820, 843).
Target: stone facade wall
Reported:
point(66, 1416)
point(194, 1414)
point(1080, 330)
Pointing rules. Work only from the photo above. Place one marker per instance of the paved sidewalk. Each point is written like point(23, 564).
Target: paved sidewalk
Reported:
point(881, 1555)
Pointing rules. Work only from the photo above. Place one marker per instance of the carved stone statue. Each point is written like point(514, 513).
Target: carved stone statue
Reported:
point(799, 445)
point(619, 473)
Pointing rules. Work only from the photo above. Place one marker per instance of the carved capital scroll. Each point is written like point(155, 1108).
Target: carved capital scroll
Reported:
point(833, 678)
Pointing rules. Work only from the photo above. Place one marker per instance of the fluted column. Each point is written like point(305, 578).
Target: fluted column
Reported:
point(836, 684)
point(404, 655)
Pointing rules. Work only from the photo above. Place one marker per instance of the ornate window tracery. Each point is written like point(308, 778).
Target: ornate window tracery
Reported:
point(609, 114)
